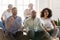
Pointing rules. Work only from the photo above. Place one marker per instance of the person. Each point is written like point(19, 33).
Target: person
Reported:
point(14, 24)
point(27, 12)
point(33, 26)
point(49, 24)
point(6, 14)
point(1, 25)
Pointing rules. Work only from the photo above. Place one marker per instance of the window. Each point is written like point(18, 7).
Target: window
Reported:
point(20, 4)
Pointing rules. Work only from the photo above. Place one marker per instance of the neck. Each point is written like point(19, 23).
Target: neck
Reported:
point(14, 16)
point(9, 10)
point(30, 9)
point(33, 18)
point(45, 17)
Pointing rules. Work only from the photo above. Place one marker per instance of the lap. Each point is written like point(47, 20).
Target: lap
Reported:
point(41, 35)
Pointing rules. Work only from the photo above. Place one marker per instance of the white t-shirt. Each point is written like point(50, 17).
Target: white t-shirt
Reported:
point(47, 23)
point(27, 13)
point(6, 15)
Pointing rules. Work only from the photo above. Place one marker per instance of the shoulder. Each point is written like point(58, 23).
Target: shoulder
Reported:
point(50, 19)
point(9, 17)
point(28, 19)
point(26, 10)
point(18, 17)
point(38, 18)
point(4, 12)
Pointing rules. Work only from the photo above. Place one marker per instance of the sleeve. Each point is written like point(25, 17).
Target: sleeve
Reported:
point(26, 25)
point(7, 23)
point(3, 15)
point(19, 21)
point(41, 24)
point(25, 13)
point(51, 19)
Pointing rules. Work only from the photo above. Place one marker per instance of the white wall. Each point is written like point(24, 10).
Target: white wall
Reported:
point(39, 5)
point(52, 4)
point(56, 8)
point(20, 4)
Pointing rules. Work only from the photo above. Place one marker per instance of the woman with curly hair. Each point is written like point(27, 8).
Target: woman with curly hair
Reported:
point(49, 24)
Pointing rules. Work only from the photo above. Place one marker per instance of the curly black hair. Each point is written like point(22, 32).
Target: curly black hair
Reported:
point(49, 11)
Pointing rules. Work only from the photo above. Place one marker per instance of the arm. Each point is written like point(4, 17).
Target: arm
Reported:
point(9, 22)
point(44, 29)
point(53, 23)
point(25, 13)
point(3, 17)
point(25, 26)
point(19, 23)
point(42, 25)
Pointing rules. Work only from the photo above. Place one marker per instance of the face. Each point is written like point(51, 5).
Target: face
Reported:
point(33, 14)
point(10, 6)
point(30, 6)
point(14, 11)
point(46, 13)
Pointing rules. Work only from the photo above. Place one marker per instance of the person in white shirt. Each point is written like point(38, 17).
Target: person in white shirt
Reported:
point(48, 23)
point(6, 14)
point(27, 12)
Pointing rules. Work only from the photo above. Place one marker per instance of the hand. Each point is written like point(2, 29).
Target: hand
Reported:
point(11, 20)
point(25, 30)
point(47, 34)
point(55, 27)
point(21, 28)
point(48, 29)
point(9, 23)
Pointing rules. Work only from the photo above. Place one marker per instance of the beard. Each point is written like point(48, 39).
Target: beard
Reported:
point(33, 17)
